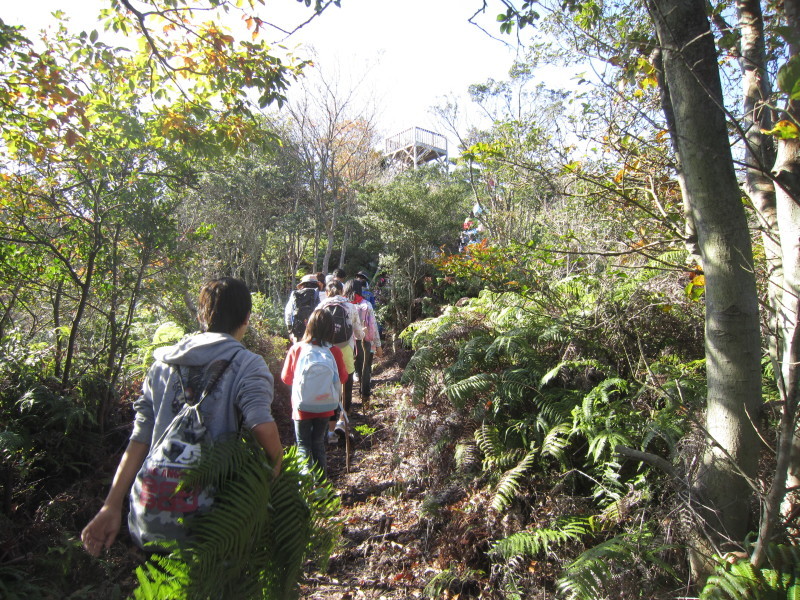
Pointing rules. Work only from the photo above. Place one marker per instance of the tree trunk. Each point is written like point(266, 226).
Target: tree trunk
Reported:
point(787, 173)
point(690, 232)
point(732, 336)
point(83, 303)
point(787, 471)
point(775, 219)
point(59, 349)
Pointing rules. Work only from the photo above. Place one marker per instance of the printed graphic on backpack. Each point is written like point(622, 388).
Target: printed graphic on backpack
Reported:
point(158, 510)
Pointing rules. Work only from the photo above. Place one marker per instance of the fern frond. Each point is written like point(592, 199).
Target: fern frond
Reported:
point(507, 459)
point(512, 345)
point(529, 544)
point(419, 372)
point(253, 542)
point(556, 441)
point(601, 395)
point(471, 388)
point(467, 456)
point(511, 481)
point(568, 364)
point(591, 573)
point(779, 580)
point(516, 384)
point(555, 405)
point(488, 439)
point(603, 443)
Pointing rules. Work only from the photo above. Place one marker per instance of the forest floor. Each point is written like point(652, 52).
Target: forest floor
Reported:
point(400, 526)
point(382, 552)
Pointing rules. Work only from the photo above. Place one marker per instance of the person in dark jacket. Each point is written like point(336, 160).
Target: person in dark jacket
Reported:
point(306, 299)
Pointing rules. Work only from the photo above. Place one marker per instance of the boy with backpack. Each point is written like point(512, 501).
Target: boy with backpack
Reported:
point(315, 369)
point(204, 387)
point(347, 327)
point(301, 304)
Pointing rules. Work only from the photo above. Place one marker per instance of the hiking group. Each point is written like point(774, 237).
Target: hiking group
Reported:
point(335, 334)
point(209, 386)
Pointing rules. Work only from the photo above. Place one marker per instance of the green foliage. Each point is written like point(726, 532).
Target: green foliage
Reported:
point(789, 78)
point(530, 544)
point(499, 361)
point(255, 540)
point(17, 584)
point(739, 579)
point(600, 418)
point(590, 576)
point(512, 480)
point(450, 581)
point(596, 572)
point(366, 430)
point(415, 214)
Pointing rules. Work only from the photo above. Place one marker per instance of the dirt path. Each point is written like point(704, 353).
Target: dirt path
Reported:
point(383, 551)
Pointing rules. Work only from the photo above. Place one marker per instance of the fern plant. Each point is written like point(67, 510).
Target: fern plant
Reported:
point(530, 544)
point(450, 581)
point(254, 541)
point(594, 574)
point(512, 480)
point(779, 580)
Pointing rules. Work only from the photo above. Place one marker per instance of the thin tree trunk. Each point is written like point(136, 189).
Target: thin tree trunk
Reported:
point(5, 319)
point(345, 240)
point(787, 172)
point(59, 350)
point(83, 302)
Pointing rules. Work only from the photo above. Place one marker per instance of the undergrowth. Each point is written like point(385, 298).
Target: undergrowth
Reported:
point(547, 411)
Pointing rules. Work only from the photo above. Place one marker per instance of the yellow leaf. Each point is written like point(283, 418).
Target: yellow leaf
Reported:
point(784, 130)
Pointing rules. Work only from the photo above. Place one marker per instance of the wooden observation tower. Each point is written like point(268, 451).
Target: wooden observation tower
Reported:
point(416, 146)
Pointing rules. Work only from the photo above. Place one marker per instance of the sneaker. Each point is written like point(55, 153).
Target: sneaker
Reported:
point(332, 438)
point(339, 429)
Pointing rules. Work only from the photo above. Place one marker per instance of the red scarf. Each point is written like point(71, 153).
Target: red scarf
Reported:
point(357, 299)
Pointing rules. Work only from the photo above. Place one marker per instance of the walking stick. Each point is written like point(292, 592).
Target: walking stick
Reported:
point(346, 420)
point(346, 444)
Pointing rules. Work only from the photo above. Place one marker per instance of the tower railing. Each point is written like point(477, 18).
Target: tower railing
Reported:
point(414, 136)
point(416, 146)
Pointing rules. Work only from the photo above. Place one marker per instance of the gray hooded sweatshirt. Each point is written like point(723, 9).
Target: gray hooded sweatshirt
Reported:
point(243, 393)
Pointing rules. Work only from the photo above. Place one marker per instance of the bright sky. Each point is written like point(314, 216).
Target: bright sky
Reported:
point(410, 54)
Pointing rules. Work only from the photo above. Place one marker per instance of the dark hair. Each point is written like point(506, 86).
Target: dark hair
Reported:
point(308, 285)
point(353, 287)
point(334, 288)
point(320, 279)
point(224, 305)
point(319, 327)
point(339, 273)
